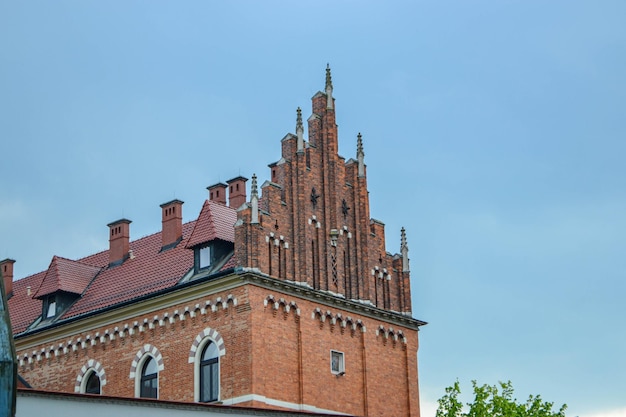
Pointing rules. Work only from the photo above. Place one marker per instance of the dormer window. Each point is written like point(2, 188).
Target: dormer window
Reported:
point(204, 257)
point(209, 257)
point(51, 309)
point(54, 305)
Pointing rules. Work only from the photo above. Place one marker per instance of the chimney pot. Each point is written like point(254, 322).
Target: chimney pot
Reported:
point(237, 191)
point(217, 192)
point(6, 266)
point(119, 241)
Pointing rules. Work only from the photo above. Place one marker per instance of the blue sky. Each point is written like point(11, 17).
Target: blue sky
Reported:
point(494, 132)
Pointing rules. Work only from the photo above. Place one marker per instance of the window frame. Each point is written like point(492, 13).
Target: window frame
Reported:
point(80, 386)
point(197, 361)
point(210, 362)
point(200, 265)
point(341, 364)
point(50, 304)
point(85, 382)
point(140, 377)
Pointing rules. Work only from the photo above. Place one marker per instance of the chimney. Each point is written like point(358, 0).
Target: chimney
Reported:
point(6, 266)
point(172, 220)
point(119, 241)
point(217, 192)
point(237, 192)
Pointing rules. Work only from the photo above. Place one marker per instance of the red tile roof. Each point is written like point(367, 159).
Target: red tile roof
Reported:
point(66, 275)
point(148, 270)
point(216, 221)
point(24, 309)
point(231, 263)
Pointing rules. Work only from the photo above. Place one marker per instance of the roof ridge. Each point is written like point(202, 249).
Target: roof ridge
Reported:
point(43, 280)
point(62, 258)
point(204, 211)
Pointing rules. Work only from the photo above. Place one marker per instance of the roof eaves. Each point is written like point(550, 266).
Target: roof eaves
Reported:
point(124, 303)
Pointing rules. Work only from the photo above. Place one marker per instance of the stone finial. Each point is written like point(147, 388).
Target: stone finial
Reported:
point(254, 201)
point(329, 80)
point(329, 88)
point(254, 189)
point(300, 130)
point(404, 249)
point(360, 155)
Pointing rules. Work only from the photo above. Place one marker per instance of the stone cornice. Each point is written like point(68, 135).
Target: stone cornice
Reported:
point(192, 291)
point(253, 276)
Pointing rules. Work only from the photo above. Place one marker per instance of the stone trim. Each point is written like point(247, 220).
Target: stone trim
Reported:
point(150, 350)
point(381, 274)
point(303, 290)
point(277, 240)
point(337, 318)
point(127, 329)
point(391, 333)
point(276, 303)
point(279, 403)
point(313, 221)
point(90, 365)
point(210, 333)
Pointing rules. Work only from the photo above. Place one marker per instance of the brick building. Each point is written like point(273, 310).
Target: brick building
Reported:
point(285, 298)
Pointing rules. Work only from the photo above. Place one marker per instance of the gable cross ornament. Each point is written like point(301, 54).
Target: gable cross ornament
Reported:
point(314, 197)
point(344, 208)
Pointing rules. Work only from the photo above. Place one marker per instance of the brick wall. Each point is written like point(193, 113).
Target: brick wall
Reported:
point(382, 363)
point(172, 336)
point(277, 346)
point(311, 195)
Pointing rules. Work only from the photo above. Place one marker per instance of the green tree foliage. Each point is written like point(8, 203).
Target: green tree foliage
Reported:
point(494, 401)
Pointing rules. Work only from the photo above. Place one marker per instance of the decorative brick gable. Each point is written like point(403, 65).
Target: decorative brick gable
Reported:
point(313, 225)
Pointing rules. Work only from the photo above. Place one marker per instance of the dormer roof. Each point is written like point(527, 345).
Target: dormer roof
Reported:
point(66, 275)
point(216, 221)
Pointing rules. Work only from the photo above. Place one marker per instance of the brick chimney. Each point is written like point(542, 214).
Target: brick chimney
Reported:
point(172, 221)
point(237, 191)
point(6, 266)
point(217, 192)
point(119, 241)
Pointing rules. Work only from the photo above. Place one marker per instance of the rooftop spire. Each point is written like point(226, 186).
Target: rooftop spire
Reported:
point(300, 130)
point(404, 249)
point(360, 155)
point(329, 80)
point(254, 200)
point(329, 88)
point(254, 191)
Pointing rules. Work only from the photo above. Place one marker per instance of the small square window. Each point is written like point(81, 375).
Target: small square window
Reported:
point(205, 257)
point(337, 365)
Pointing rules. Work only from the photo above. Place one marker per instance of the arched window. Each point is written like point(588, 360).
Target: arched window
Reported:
point(149, 379)
point(209, 373)
point(92, 385)
point(145, 370)
point(91, 378)
point(205, 353)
